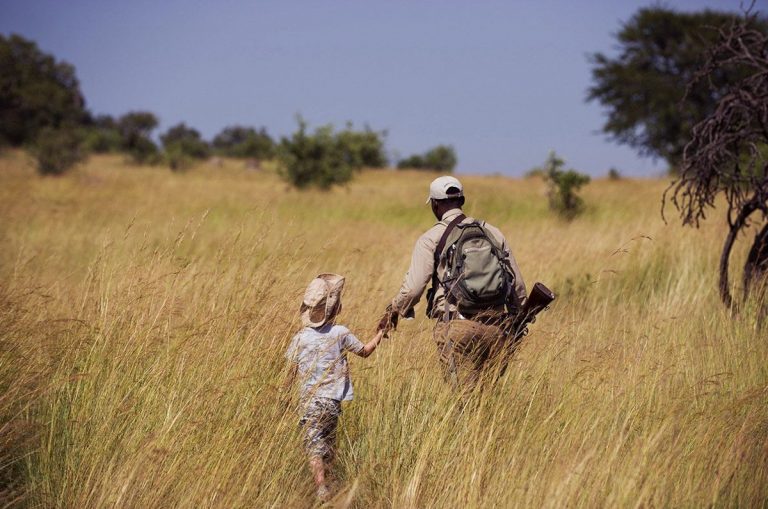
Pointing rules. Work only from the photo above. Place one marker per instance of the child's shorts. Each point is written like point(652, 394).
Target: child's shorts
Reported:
point(319, 422)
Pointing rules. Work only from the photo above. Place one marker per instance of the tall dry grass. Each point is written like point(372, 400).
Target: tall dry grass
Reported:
point(144, 315)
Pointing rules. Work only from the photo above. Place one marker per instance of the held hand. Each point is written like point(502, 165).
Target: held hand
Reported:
point(388, 322)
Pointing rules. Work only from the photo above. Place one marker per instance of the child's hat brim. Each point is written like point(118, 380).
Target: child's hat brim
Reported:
point(321, 298)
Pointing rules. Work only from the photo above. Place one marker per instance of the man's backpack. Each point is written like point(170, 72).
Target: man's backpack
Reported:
point(477, 276)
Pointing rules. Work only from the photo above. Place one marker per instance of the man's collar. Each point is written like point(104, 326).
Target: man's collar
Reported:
point(451, 214)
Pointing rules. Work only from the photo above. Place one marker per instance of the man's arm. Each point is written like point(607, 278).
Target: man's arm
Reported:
point(418, 276)
point(519, 293)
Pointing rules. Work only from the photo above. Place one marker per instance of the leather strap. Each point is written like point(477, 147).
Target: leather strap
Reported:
point(441, 245)
point(438, 252)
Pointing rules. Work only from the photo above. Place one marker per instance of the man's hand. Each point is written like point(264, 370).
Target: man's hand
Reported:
point(388, 322)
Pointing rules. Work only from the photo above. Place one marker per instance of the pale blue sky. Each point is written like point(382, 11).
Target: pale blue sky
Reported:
point(503, 82)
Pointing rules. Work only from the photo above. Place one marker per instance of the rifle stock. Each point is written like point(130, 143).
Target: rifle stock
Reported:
point(539, 299)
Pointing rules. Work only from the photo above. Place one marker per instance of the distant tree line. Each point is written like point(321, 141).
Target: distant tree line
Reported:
point(441, 158)
point(43, 110)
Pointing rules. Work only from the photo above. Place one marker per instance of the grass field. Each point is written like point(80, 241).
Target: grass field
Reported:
point(144, 315)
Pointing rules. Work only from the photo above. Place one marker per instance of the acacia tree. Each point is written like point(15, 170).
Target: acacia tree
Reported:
point(643, 88)
point(728, 151)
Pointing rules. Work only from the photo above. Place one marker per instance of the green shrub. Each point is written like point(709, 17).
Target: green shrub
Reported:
point(363, 148)
point(244, 142)
point(101, 141)
point(442, 158)
point(535, 172)
point(135, 129)
point(415, 162)
point(614, 174)
point(183, 145)
point(101, 135)
point(314, 160)
point(57, 150)
point(562, 187)
point(176, 159)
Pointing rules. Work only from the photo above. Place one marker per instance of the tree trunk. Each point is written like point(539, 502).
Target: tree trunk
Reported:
point(738, 224)
point(756, 266)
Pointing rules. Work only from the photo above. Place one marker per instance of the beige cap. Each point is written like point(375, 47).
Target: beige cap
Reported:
point(439, 187)
point(322, 298)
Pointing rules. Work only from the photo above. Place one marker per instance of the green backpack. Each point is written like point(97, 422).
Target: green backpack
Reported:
point(477, 276)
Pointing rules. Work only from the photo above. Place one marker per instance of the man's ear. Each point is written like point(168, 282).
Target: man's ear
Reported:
point(433, 206)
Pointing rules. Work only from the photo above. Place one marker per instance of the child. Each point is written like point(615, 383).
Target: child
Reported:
point(318, 352)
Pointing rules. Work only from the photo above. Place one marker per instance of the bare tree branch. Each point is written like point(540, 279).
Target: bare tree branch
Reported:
point(728, 151)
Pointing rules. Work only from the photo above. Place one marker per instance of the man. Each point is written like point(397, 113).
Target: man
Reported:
point(466, 341)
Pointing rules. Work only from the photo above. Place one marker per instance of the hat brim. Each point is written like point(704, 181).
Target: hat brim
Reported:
point(459, 195)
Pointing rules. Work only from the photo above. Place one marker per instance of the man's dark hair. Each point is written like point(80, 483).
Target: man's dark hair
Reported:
point(452, 202)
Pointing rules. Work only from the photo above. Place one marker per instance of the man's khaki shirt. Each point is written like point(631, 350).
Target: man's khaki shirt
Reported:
point(419, 274)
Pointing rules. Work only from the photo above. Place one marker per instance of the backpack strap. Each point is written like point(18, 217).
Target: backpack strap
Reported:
point(438, 252)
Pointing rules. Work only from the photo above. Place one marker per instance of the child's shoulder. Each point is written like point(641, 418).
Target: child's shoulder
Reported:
point(339, 329)
point(326, 330)
point(330, 332)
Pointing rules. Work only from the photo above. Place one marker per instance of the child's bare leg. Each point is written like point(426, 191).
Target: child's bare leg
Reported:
point(317, 465)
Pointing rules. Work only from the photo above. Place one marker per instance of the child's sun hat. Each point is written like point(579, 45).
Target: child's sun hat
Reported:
point(322, 300)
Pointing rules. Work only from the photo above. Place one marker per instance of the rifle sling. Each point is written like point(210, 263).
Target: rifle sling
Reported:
point(438, 252)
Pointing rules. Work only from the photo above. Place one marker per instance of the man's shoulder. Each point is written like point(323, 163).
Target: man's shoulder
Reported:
point(431, 237)
point(493, 230)
point(439, 227)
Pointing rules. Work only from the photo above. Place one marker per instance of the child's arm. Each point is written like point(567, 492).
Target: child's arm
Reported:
point(370, 346)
